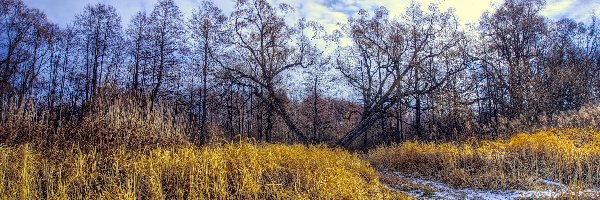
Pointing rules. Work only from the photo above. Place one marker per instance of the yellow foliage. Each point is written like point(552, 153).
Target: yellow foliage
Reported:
point(231, 171)
point(566, 156)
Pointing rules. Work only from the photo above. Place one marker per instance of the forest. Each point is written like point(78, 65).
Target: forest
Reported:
point(242, 105)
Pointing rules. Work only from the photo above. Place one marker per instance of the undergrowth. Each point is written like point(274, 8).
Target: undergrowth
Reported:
point(104, 124)
point(232, 171)
point(119, 148)
point(570, 157)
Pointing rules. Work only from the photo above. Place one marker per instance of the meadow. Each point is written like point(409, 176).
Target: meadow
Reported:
point(525, 161)
point(232, 171)
point(119, 150)
point(260, 99)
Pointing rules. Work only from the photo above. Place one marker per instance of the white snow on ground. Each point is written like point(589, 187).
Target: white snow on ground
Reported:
point(443, 191)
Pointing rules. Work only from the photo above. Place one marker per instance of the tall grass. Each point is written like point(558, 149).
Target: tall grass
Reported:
point(571, 157)
point(106, 122)
point(586, 117)
point(231, 171)
point(113, 147)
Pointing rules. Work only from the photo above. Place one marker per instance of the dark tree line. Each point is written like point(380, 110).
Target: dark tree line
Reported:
point(420, 75)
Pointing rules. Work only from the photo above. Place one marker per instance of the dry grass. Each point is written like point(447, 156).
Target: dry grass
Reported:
point(117, 149)
point(571, 157)
point(104, 124)
point(587, 117)
point(231, 171)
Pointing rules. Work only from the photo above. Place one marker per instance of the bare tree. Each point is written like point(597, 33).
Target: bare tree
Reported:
point(26, 44)
point(99, 34)
point(207, 32)
point(513, 34)
point(265, 48)
point(139, 42)
point(168, 49)
point(386, 61)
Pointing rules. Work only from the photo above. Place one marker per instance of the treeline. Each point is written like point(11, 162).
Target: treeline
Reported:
point(420, 75)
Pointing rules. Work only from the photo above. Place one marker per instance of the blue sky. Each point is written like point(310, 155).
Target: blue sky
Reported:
point(327, 12)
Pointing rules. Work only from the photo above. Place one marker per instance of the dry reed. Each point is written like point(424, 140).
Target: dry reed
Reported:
point(232, 171)
point(571, 157)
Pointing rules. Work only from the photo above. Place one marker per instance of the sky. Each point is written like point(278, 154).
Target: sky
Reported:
point(328, 12)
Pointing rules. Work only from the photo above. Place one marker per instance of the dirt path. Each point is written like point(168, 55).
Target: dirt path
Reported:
point(426, 189)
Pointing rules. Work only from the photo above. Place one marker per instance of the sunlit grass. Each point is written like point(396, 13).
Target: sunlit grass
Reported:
point(571, 157)
point(231, 171)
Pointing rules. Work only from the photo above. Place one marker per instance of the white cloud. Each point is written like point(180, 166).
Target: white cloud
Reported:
point(327, 17)
point(584, 10)
point(557, 7)
point(328, 12)
point(469, 11)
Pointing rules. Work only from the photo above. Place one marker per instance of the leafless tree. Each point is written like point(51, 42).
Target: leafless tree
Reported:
point(266, 47)
point(512, 35)
point(391, 60)
point(138, 38)
point(98, 30)
point(207, 32)
point(168, 49)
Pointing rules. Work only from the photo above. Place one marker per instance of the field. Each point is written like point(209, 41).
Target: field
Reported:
point(232, 171)
point(265, 99)
point(544, 161)
point(121, 153)
point(562, 161)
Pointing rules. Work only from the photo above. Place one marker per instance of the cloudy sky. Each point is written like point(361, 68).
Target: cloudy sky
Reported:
point(327, 12)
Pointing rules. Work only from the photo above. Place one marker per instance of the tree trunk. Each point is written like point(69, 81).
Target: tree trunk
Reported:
point(418, 128)
point(362, 127)
point(203, 128)
point(315, 110)
point(269, 128)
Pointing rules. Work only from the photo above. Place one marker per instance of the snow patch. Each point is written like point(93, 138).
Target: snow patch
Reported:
point(443, 191)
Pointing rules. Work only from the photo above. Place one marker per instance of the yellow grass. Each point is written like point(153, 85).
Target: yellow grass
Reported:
point(119, 150)
point(231, 171)
point(571, 157)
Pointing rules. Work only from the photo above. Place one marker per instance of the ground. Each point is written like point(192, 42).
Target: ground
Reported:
point(428, 189)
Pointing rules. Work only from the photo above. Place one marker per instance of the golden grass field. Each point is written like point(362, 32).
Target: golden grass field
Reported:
point(119, 150)
point(244, 170)
point(127, 152)
point(231, 171)
point(570, 157)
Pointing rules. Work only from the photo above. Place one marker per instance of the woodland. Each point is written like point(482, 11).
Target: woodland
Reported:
point(382, 92)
